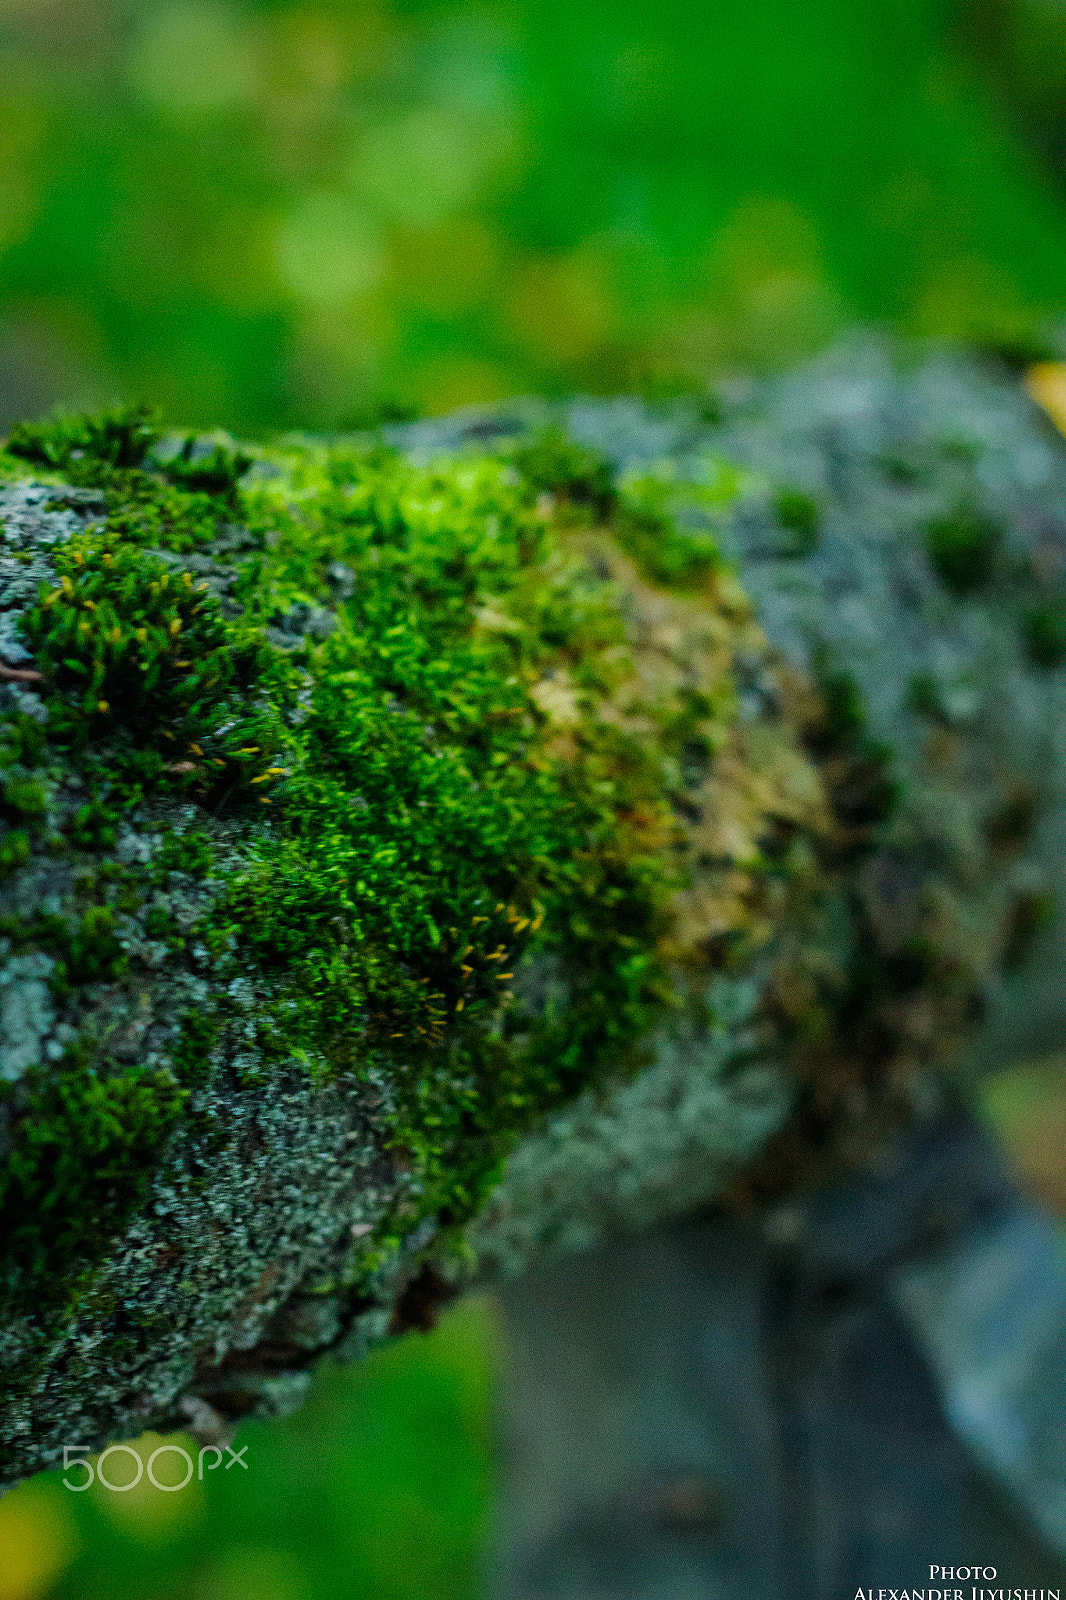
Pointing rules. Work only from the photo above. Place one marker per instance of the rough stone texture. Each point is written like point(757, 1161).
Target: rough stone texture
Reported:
point(827, 1028)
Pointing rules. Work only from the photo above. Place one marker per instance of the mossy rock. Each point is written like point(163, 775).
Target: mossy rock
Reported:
point(379, 820)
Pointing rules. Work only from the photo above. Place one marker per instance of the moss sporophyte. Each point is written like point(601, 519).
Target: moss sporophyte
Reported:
point(341, 766)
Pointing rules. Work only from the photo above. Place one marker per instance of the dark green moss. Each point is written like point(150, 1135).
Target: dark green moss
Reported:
point(672, 555)
point(83, 1144)
point(1044, 627)
point(112, 439)
point(865, 790)
point(171, 504)
point(377, 414)
point(14, 851)
point(191, 1057)
point(190, 852)
point(1031, 913)
point(923, 695)
point(901, 468)
point(800, 515)
point(553, 463)
point(217, 473)
point(845, 709)
point(962, 546)
point(141, 657)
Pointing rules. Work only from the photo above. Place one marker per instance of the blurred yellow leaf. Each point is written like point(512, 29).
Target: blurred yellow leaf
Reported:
point(1046, 383)
point(37, 1540)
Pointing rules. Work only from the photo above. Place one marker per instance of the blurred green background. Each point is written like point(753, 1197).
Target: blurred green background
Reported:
point(320, 214)
point(276, 214)
point(376, 1490)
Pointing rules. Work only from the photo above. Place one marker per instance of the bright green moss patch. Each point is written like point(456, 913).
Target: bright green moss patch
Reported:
point(324, 777)
point(436, 832)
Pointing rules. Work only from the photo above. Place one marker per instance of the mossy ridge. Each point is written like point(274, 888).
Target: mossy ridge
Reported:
point(470, 672)
point(406, 807)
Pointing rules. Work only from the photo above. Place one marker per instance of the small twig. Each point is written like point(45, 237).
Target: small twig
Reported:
point(21, 674)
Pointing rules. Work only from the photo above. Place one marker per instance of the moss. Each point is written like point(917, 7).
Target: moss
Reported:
point(800, 515)
point(95, 450)
point(1044, 629)
point(394, 795)
point(139, 668)
point(676, 557)
point(112, 439)
point(962, 546)
point(845, 709)
point(669, 524)
point(1031, 914)
point(216, 473)
point(923, 695)
point(859, 766)
point(901, 467)
point(552, 463)
point(433, 837)
point(141, 661)
point(83, 1144)
point(14, 851)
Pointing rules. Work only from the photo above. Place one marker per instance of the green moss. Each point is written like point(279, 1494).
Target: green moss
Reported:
point(866, 791)
point(900, 467)
point(14, 851)
point(845, 709)
point(382, 824)
point(800, 515)
point(83, 1144)
point(923, 695)
point(217, 473)
point(678, 558)
point(431, 838)
point(553, 463)
point(132, 649)
point(191, 1058)
point(24, 797)
point(962, 546)
point(94, 450)
point(1044, 628)
point(169, 504)
point(668, 524)
point(109, 440)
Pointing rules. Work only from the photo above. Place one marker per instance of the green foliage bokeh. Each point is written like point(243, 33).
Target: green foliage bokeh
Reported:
point(375, 1490)
point(311, 212)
